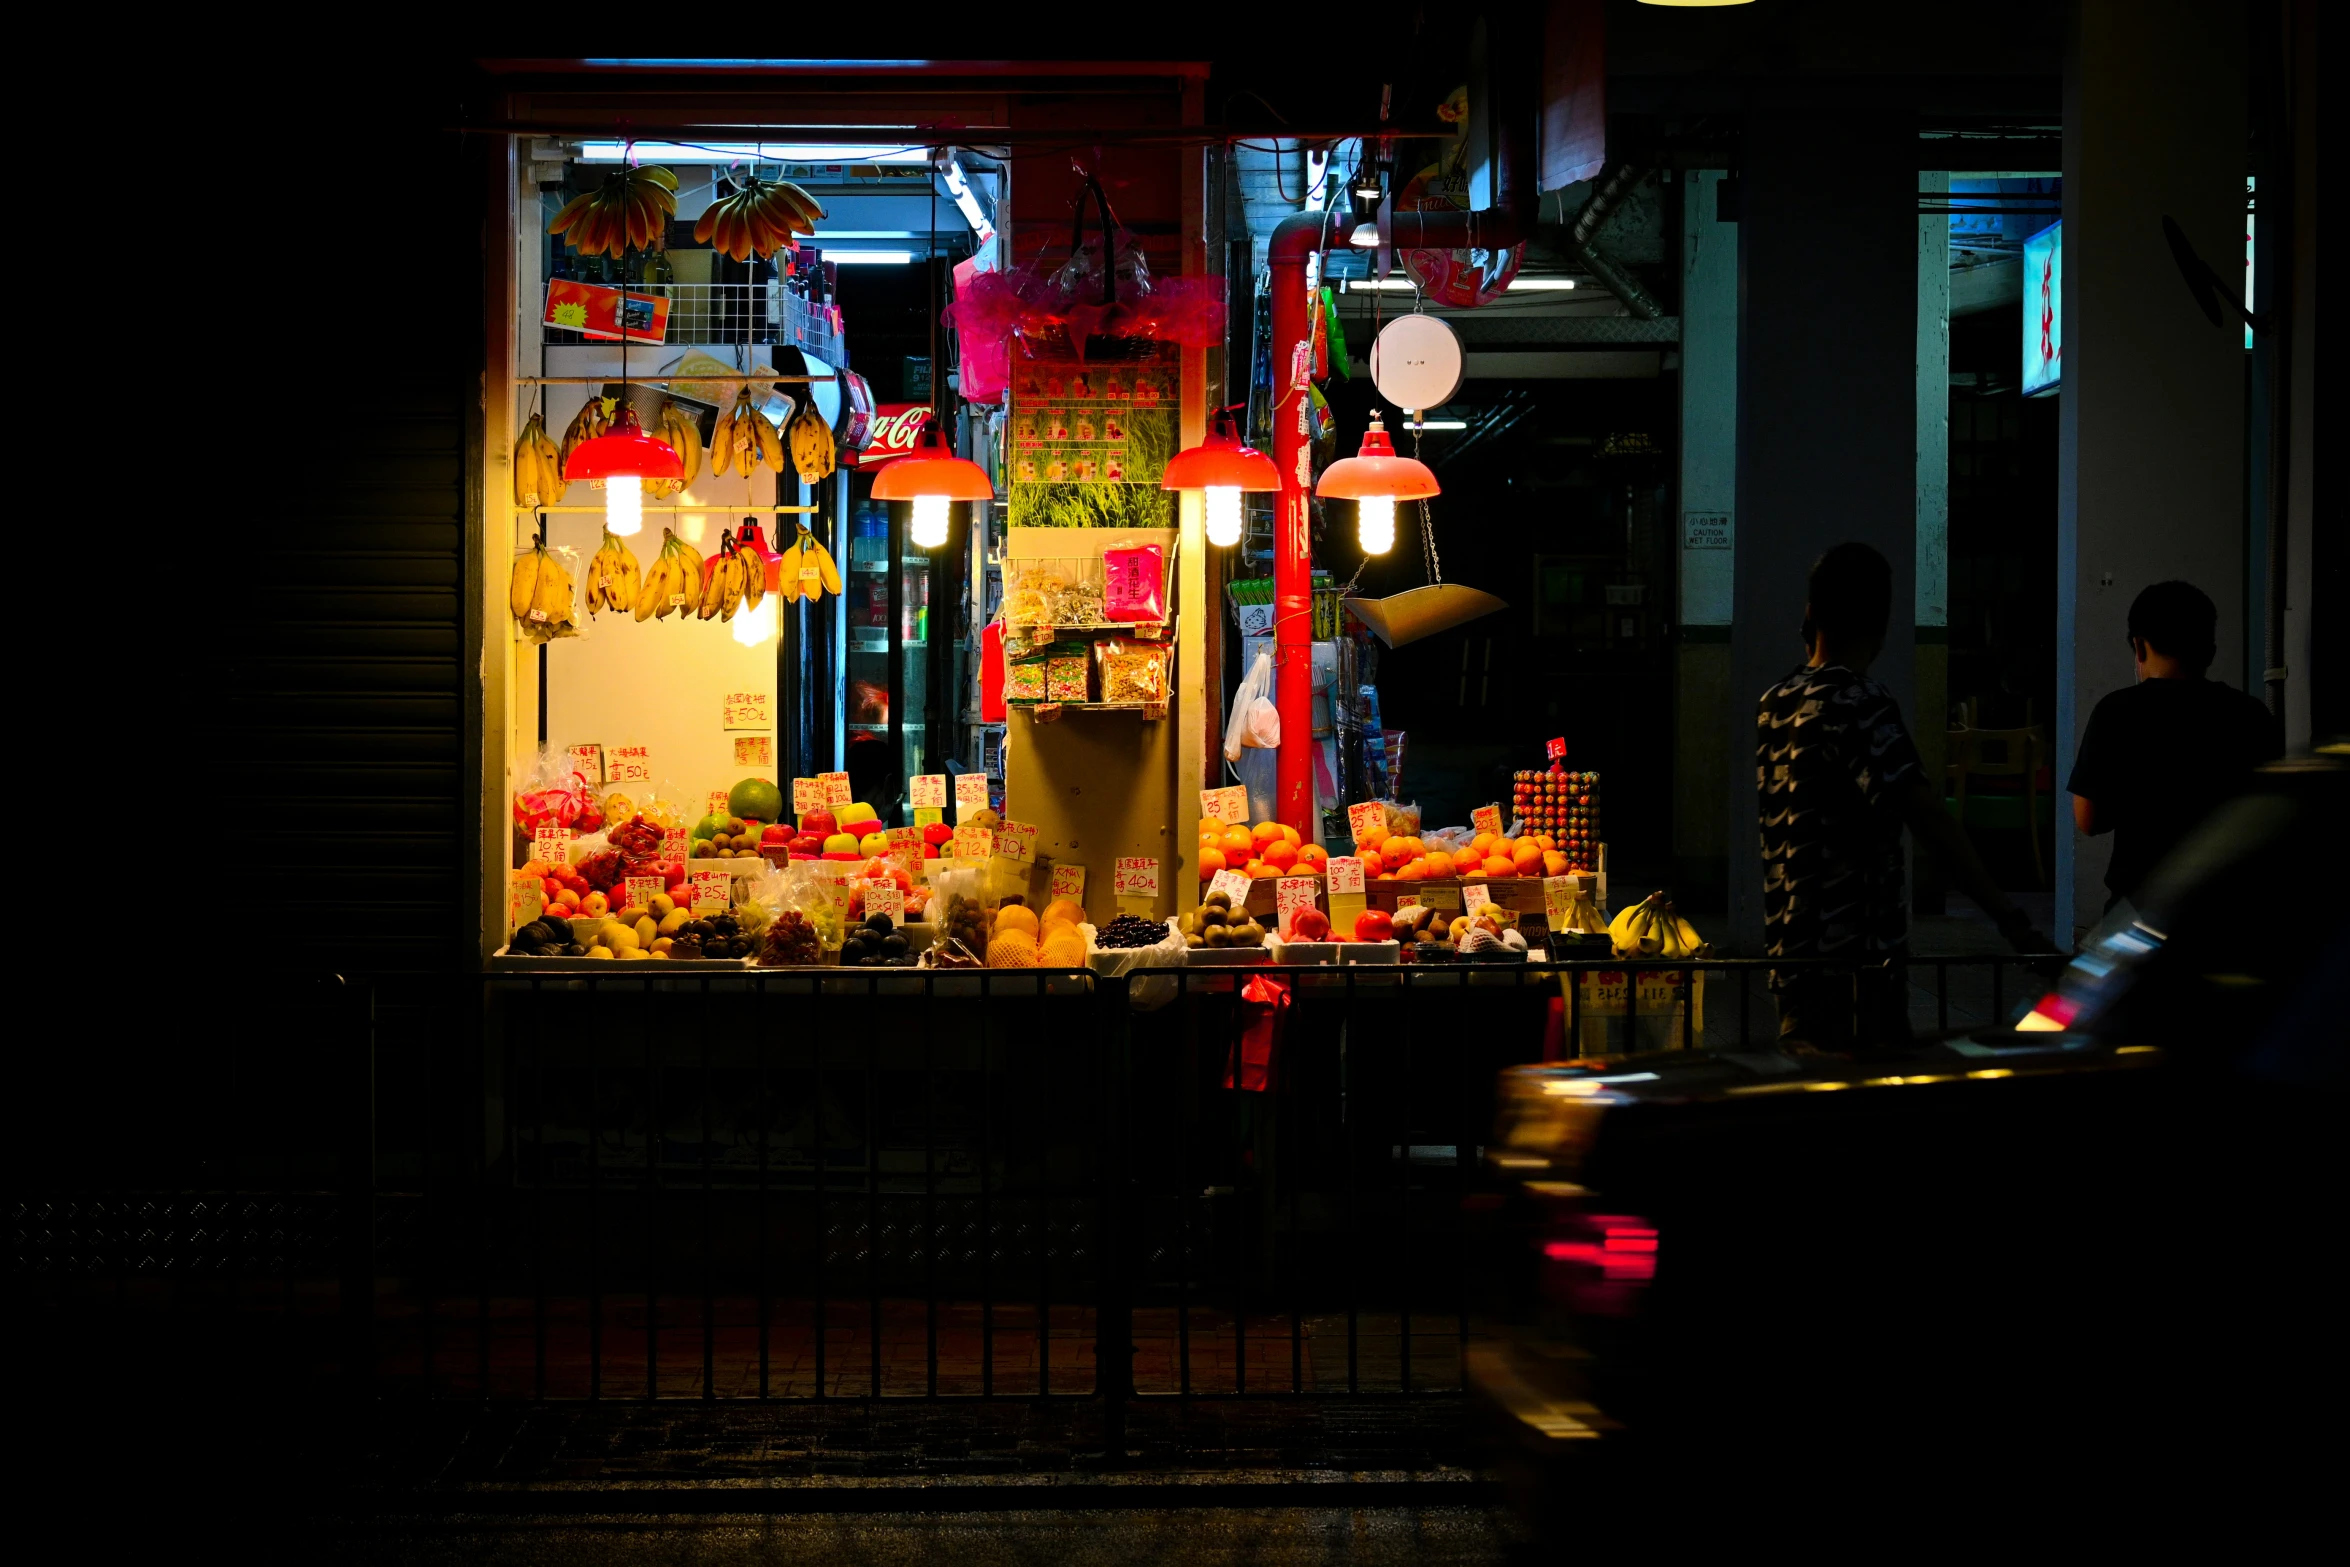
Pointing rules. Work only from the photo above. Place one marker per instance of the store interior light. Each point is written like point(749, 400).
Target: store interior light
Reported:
point(1364, 237)
point(866, 258)
point(1375, 479)
point(621, 460)
point(756, 624)
point(752, 151)
point(1436, 424)
point(967, 202)
point(933, 479)
point(1221, 468)
point(1375, 524)
point(1403, 285)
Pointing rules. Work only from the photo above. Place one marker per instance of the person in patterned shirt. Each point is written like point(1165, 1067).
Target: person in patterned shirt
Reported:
point(1838, 778)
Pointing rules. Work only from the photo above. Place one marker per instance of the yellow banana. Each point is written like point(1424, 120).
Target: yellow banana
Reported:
point(523, 590)
point(754, 569)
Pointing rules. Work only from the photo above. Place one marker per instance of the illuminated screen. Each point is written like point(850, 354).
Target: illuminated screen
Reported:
point(2044, 310)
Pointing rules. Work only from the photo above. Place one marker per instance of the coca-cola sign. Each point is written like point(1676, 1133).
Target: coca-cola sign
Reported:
point(893, 432)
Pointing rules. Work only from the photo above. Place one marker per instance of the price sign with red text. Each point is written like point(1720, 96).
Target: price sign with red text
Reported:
point(640, 890)
point(1016, 841)
point(1368, 817)
point(883, 897)
point(744, 710)
point(1486, 818)
point(1555, 750)
point(551, 844)
point(1474, 896)
point(1558, 899)
point(588, 762)
point(807, 794)
point(1069, 882)
point(905, 849)
point(1345, 873)
point(628, 764)
point(718, 804)
point(836, 790)
point(970, 794)
point(927, 789)
point(1232, 884)
point(1291, 895)
point(754, 750)
point(1135, 877)
point(676, 844)
point(1227, 805)
point(713, 892)
point(973, 843)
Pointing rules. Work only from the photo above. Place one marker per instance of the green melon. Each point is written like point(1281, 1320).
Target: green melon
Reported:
point(755, 799)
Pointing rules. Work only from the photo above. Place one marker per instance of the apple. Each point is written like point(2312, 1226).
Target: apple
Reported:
point(595, 903)
point(775, 833)
point(1374, 925)
point(807, 845)
point(857, 811)
point(820, 823)
point(551, 887)
point(873, 843)
point(930, 851)
point(1309, 925)
point(938, 833)
point(842, 843)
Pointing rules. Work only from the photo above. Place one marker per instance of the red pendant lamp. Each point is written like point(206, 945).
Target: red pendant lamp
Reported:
point(1375, 479)
point(931, 477)
point(1222, 467)
point(623, 458)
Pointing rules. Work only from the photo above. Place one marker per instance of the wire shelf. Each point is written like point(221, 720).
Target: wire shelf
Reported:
point(728, 313)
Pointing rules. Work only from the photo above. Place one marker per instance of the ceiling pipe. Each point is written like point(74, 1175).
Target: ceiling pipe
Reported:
point(1598, 207)
point(1509, 220)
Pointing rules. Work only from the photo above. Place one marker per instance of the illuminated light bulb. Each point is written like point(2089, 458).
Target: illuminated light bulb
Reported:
point(754, 626)
point(1223, 514)
point(1375, 523)
point(624, 504)
point(930, 521)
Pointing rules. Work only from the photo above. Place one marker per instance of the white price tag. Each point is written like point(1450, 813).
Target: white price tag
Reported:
point(1232, 884)
point(1016, 841)
point(1345, 873)
point(927, 789)
point(1135, 877)
point(1227, 805)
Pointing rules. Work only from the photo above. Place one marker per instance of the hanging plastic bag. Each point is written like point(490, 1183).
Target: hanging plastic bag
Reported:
point(1254, 722)
point(1253, 1058)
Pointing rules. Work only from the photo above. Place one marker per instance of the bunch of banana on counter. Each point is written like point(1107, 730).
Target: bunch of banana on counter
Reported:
point(538, 465)
point(808, 571)
point(613, 578)
point(592, 420)
point(744, 440)
point(629, 211)
point(1651, 929)
point(674, 582)
point(758, 219)
point(540, 595)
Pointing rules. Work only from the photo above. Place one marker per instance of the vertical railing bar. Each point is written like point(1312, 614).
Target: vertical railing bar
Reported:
point(1465, 1124)
point(764, 1100)
point(477, 1031)
point(709, 1280)
point(1941, 994)
point(538, 1192)
point(1184, 1186)
point(1998, 992)
point(816, 1032)
point(652, 1102)
point(1745, 1008)
point(1044, 1205)
point(872, 1200)
point(595, 1206)
point(1354, 1250)
point(929, 1202)
point(427, 1279)
point(986, 1195)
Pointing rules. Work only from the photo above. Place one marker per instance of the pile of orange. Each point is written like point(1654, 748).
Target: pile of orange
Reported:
point(1399, 857)
point(1267, 849)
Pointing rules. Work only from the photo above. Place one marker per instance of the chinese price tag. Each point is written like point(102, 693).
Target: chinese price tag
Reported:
point(628, 764)
point(640, 891)
point(1486, 818)
point(551, 844)
point(1069, 882)
point(883, 897)
point(744, 710)
point(1135, 877)
point(718, 804)
point(1558, 898)
point(1016, 841)
point(929, 815)
point(713, 891)
point(1368, 817)
point(905, 850)
point(970, 794)
point(1227, 805)
point(807, 794)
point(754, 750)
point(1555, 750)
point(1345, 873)
point(588, 762)
point(1474, 896)
point(675, 845)
point(1291, 896)
point(1232, 884)
point(973, 843)
point(526, 900)
point(927, 789)
point(836, 789)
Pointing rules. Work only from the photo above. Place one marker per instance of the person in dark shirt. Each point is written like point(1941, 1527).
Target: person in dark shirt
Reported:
point(1838, 778)
point(2158, 755)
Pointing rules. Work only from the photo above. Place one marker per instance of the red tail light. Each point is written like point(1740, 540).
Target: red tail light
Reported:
point(1598, 1263)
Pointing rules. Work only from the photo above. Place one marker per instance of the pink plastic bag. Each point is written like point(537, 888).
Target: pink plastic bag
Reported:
point(1134, 584)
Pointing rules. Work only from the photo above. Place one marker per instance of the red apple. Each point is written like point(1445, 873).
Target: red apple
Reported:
point(820, 823)
point(775, 834)
point(1309, 925)
point(1374, 925)
point(938, 833)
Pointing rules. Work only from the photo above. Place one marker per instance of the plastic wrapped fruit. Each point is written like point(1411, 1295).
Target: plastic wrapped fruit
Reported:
point(1012, 948)
point(790, 942)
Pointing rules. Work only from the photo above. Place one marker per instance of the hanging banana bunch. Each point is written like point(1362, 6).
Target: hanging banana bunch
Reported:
point(538, 466)
point(592, 420)
point(758, 218)
point(752, 552)
point(674, 582)
point(612, 578)
point(808, 569)
point(722, 593)
point(683, 438)
point(812, 451)
point(539, 593)
point(629, 211)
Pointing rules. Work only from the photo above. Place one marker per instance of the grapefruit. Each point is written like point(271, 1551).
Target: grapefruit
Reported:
point(755, 799)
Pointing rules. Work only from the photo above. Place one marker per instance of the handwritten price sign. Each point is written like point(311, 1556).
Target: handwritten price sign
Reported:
point(970, 794)
point(1555, 750)
point(1368, 817)
point(807, 794)
point(927, 789)
point(675, 844)
point(905, 849)
point(1232, 884)
point(1226, 805)
point(1016, 841)
point(713, 891)
point(836, 789)
point(1069, 882)
point(929, 815)
point(628, 764)
point(640, 890)
point(744, 710)
point(1135, 877)
point(1486, 818)
point(1345, 873)
point(1475, 897)
point(883, 897)
point(588, 762)
point(973, 843)
point(1558, 899)
point(1291, 896)
point(754, 750)
point(551, 844)
point(718, 804)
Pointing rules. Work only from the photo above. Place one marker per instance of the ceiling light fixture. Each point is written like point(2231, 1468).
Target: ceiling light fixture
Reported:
point(1223, 468)
point(1375, 479)
point(865, 258)
point(1435, 424)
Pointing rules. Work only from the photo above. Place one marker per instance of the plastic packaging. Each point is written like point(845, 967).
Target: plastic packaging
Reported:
point(1132, 671)
point(1134, 584)
point(1254, 721)
point(552, 793)
point(959, 908)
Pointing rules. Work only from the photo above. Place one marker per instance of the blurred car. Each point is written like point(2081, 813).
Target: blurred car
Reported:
point(2095, 1241)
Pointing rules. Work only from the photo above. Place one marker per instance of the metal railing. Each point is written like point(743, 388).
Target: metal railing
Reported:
point(833, 1184)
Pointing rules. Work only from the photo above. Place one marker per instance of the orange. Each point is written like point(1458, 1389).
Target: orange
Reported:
point(1258, 870)
point(1209, 826)
point(1291, 833)
point(1412, 870)
point(1372, 839)
point(1527, 856)
point(1495, 865)
point(1397, 855)
point(1439, 863)
point(1312, 854)
point(1238, 841)
point(1479, 844)
point(1280, 855)
point(1210, 862)
point(1553, 863)
point(1265, 832)
point(1547, 841)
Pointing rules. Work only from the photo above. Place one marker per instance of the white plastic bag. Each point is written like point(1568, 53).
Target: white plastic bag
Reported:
point(1254, 721)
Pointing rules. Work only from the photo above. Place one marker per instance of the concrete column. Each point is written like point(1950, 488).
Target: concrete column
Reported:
point(1709, 495)
point(1827, 398)
point(1933, 514)
point(2150, 463)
